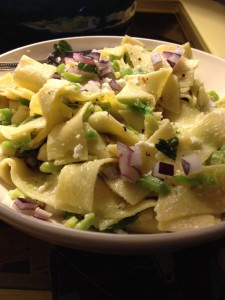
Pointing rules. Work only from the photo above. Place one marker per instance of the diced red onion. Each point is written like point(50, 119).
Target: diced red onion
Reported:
point(105, 69)
point(106, 72)
point(25, 204)
point(114, 85)
point(135, 157)
point(103, 63)
point(95, 55)
point(42, 214)
point(163, 170)
point(173, 57)
point(191, 164)
point(128, 172)
point(156, 59)
point(78, 57)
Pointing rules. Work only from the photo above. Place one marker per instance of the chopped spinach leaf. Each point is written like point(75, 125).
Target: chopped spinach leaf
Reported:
point(121, 224)
point(62, 46)
point(169, 147)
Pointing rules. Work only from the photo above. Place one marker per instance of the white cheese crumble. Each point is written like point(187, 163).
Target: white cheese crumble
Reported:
point(77, 151)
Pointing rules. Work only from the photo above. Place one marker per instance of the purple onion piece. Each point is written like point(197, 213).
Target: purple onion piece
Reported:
point(114, 85)
point(191, 164)
point(128, 172)
point(42, 214)
point(162, 170)
point(25, 204)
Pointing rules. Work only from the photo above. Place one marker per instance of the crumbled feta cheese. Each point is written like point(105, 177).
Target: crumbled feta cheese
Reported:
point(77, 151)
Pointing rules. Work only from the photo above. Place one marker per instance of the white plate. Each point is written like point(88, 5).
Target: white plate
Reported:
point(212, 72)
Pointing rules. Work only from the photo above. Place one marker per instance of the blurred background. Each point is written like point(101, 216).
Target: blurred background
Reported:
point(201, 22)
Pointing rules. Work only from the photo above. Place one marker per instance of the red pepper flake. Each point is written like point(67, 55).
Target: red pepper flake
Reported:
point(144, 79)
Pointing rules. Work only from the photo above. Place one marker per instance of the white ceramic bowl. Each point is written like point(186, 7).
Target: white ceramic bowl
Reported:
point(212, 72)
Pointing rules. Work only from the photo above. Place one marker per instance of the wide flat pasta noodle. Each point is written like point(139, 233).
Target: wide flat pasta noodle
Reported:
point(103, 122)
point(189, 223)
point(11, 91)
point(154, 82)
point(75, 190)
point(145, 223)
point(184, 201)
point(25, 129)
point(36, 185)
point(48, 103)
point(129, 191)
point(65, 138)
point(31, 74)
point(109, 205)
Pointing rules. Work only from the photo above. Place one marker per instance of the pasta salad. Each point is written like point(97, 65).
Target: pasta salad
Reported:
point(123, 139)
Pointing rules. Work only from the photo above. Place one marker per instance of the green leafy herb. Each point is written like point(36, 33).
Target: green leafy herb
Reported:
point(127, 59)
point(169, 147)
point(62, 46)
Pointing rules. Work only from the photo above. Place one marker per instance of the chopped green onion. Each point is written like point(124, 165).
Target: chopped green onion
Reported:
point(49, 167)
point(76, 77)
point(87, 222)
point(16, 193)
point(139, 106)
point(154, 184)
point(90, 133)
point(126, 71)
point(5, 116)
point(116, 66)
point(88, 112)
point(200, 179)
point(213, 96)
point(71, 222)
point(21, 143)
point(60, 69)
